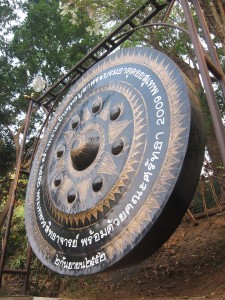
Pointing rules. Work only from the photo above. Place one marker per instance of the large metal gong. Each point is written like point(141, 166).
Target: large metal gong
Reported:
point(117, 167)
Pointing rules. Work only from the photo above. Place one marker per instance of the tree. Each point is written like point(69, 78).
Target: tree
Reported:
point(40, 42)
point(44, 43)
point(175, 43)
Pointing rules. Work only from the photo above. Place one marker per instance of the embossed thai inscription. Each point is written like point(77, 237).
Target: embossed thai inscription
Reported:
point(108, 163)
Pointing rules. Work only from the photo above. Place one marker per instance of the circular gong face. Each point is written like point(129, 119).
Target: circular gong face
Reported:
point(117, 167)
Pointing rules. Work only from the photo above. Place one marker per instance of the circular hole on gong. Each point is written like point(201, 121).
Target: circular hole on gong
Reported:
point(71, 197)
point(97, 184)
point(84, 150)
point(58, 180)
point(60, 151)
point(117, 147)
point(96, 106)
point(115, 113)
point(75, 122)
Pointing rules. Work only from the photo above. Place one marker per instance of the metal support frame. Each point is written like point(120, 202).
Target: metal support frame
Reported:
point(130, 25)
point(203, 63)
point(54, 93)
point(26, 272)
point(105, 47)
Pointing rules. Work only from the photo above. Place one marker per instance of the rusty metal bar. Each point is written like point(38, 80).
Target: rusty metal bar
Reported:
point(168, 11)
point(213, 69)
point(15, 271)
point(211, 47)
point(95, 49)
point(205, 65)
point(210, 95)
point(117, 39)
point(107, 45)
point(27, 274)
point(13, 194)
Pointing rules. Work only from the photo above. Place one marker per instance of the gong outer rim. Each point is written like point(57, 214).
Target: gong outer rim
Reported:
point(152, 236)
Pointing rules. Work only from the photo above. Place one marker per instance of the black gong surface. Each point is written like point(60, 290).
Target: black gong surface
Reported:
point(117, 167)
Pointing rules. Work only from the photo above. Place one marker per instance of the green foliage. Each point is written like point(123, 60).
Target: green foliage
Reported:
point(45, 282)
point(48, 41)
point(54, 43)
point(208, 198)
point(41, 42)
point(7, 154)
point(18, 262)
point(18, 242)
point(101, 15)
point(161, 2)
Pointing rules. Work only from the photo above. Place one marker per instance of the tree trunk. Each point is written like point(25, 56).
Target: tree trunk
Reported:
point(215, 16)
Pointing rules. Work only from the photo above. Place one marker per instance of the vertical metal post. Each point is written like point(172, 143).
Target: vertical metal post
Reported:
point(13, 194)
point(210, 95)
point(211, 47)
point(28, 262)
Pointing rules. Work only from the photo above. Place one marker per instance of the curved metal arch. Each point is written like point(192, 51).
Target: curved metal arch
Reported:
point(164, 24)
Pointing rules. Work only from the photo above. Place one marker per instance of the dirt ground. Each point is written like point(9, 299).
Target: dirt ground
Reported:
point(191, 265)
